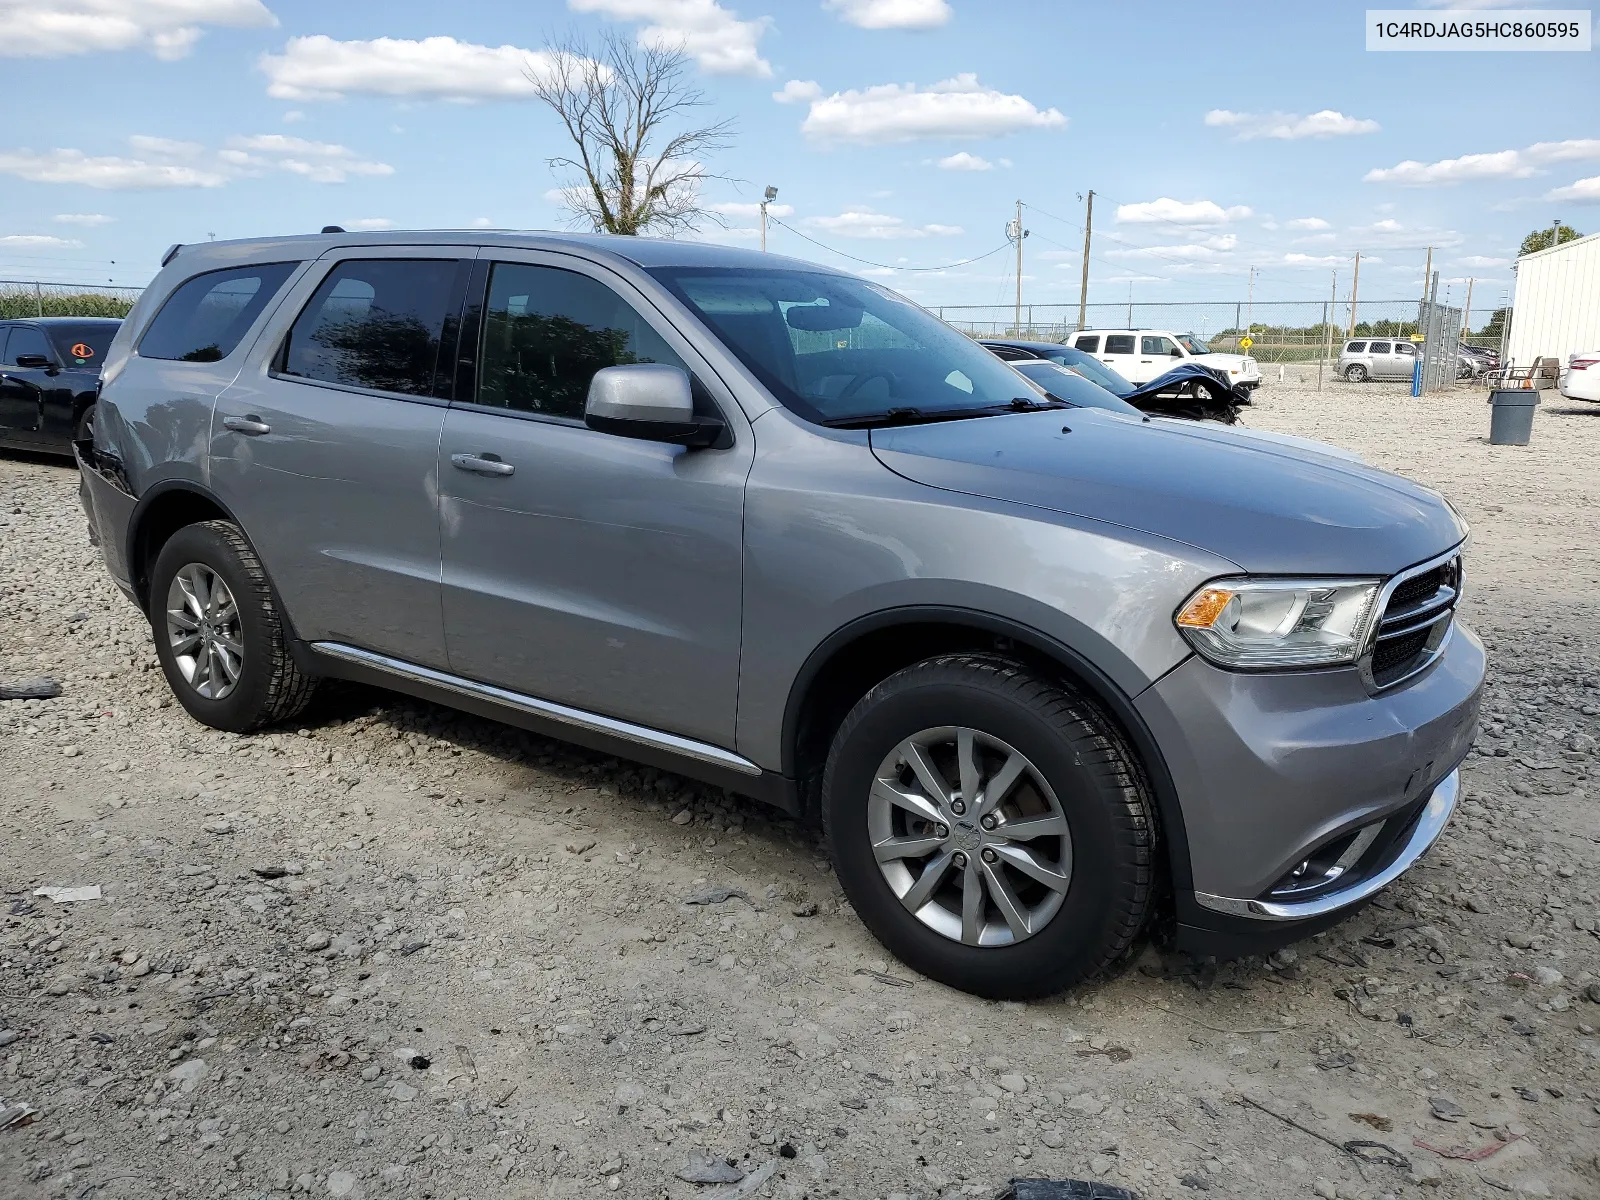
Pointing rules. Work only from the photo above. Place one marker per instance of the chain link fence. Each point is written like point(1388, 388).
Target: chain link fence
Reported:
point(20, 298)
point(1280, 331)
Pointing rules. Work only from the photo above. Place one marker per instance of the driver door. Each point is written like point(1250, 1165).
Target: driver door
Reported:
point(596, 571)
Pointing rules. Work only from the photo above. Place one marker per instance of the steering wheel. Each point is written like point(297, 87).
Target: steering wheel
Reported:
point(860, 381)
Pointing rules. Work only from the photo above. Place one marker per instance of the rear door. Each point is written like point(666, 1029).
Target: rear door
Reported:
point(23, 389)
point(593, 570)
point(1121, 355)
point(326, 446)
point(1380, 359)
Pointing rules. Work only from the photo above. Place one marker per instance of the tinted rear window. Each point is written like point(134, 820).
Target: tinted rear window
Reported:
point(1090, 344)
point(375, 323)
point(1355, 347)
point(1379, 348)
point(83, 345)
point(1117, 343)
point(204, 319)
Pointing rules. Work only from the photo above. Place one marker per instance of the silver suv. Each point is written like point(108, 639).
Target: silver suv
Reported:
point(1377, 358)
point(1043, 673)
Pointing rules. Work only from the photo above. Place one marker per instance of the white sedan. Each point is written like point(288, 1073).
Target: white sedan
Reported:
point(1581, 379)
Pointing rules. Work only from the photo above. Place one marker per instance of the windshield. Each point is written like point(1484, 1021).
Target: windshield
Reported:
point(83, 345)
point(1091, 367)
point(1065, 383)
point(834, 349)
point(1193, 344)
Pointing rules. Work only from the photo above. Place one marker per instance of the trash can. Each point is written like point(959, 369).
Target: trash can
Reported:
point(1511, 416)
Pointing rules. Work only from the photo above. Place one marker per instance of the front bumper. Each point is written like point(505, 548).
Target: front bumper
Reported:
point(1276, 771)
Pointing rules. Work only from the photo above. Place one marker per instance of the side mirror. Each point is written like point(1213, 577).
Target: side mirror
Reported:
point(649, 401)
point(35, 362)
point(1176, 353)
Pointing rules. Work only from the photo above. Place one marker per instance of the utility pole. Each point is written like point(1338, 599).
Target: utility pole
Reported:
point(1083, 285)
point(768, 198)
point(1016, 233)
point(1466, 310)
point(1555, 232)
point(1427, 273)
point(1250, 303)
point(1327, 320)
point(1130, 304)
point(1355, 284)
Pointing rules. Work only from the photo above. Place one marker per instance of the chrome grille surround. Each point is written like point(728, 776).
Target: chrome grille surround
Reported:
point(1416, 621)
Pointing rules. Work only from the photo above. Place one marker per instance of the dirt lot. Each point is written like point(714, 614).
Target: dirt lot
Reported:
point(393, 951)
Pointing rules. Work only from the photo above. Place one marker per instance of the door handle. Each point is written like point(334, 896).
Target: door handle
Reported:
point(252, 425)
point(482, 464)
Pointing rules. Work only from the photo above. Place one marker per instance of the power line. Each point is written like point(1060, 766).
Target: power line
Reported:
point(888, 266)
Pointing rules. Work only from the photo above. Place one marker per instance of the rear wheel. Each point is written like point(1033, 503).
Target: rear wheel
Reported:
point(989, 827)
point(1356, 373)
point(219, 636)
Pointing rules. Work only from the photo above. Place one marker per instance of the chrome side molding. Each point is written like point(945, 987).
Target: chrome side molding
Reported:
point(1435, 816)
point(577, 718)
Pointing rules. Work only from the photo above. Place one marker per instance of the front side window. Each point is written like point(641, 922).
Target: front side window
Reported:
point(1089, 343)
point(1193, 344)
point(1156, 345)
point(836, 349)
point(206, 317)
point(26, 340)
point(374, 323)
point(1119, 343)
point(546, 331)
point(1405, 348)
point(1379, 348)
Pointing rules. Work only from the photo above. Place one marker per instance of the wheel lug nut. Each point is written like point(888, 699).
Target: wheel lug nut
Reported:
point(960, 859)
point(989, 855)
point(987, 822)
point(957, 807)
point(942, 830)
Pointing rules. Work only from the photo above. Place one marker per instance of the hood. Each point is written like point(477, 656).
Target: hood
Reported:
point(1271, 508)
point(1268, 437)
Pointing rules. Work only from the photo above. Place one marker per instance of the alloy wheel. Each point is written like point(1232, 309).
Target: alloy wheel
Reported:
point(203, 631)
point(970, 836)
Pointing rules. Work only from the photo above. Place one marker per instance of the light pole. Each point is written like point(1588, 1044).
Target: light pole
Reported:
point(771, 195)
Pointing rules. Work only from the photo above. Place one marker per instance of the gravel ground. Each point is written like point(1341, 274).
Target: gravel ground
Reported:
point(394, 951)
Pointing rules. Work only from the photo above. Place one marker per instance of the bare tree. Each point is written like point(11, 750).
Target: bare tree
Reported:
point(619, 102)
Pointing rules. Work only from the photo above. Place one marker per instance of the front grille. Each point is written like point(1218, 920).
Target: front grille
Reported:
point(1416, 618)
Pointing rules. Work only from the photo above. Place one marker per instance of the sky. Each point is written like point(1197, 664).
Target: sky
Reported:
point(1256, 146)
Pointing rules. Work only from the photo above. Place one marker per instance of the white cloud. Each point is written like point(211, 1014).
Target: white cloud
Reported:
point(962, 161)
point(1295, 259)
point(1501, 164)
point(1309, 223)
point(1289, 126)
point(739, 208)
point(108, 171)
point(1397, 236)
point(167, 163)
point(894, 112)
point(438, 68)
point(712, 35)
point(88, 220)
point(856, 224)
point(798, 91)
point(1584, 191)
point(293, 116)
point(166, 28)
point(1481, 260)
point(361, 224)
point(1181, 212)
point(38, 241)
point(481, 223)
point(1211, 249)
point(891, 14)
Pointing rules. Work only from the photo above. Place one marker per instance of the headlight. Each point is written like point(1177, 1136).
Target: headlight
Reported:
point(1267, 624)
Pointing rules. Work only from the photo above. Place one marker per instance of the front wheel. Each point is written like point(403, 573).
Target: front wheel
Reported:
point(219, 636)
point(990, 827)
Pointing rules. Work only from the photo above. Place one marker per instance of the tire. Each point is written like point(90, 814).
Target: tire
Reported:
point(83, 428)
point(264, 685)
point(1076, 765)
point(1355, 373)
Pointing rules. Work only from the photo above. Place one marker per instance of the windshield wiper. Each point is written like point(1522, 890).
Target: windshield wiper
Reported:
point(918, 416)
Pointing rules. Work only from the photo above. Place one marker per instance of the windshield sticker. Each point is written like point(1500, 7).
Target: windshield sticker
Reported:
point(82, 350)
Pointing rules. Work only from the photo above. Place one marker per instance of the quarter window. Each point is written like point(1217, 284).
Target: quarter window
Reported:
point(546, 331)
point(1089, 344)
point(374, 323)
point(1119, 343)
point(205, 318)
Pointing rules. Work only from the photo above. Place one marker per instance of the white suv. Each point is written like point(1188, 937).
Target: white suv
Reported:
point(1140, 355)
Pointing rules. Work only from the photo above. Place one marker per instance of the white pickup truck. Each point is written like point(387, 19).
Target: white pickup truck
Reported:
point(1140, 355)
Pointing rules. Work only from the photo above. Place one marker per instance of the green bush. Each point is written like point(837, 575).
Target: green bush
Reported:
point(24, 302)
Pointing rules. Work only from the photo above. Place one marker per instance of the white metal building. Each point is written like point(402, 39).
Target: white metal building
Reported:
point(1556, 310)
